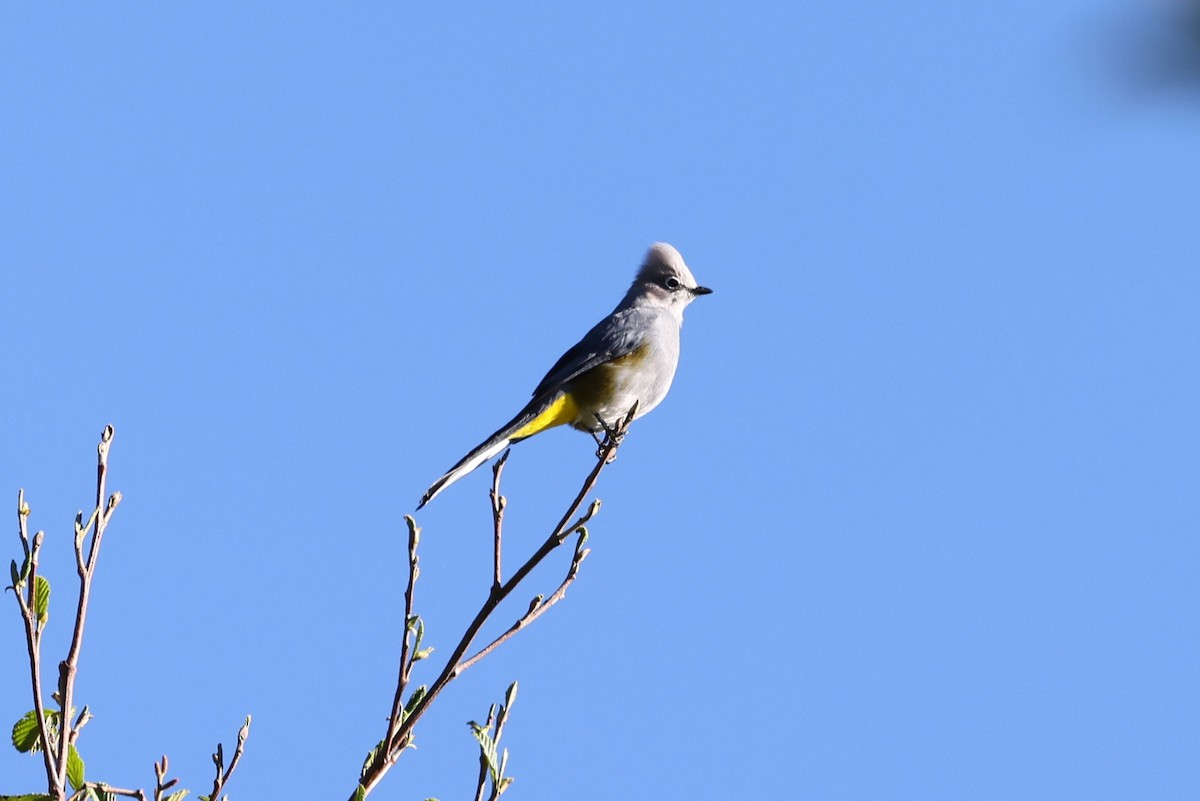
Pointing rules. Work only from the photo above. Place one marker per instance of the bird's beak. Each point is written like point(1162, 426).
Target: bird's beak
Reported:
point(701, 290)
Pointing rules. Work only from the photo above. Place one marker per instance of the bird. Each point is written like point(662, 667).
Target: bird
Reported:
point(628, 357)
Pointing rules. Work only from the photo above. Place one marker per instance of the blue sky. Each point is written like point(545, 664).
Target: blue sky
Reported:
point(918, 520)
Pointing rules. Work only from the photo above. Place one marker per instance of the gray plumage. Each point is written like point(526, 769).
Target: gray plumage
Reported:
point(629, 356)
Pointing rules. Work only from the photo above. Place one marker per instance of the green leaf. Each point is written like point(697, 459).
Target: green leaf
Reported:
point(32, 797)
point(372, 756)
point(360, 794)
point(74, 768)
point(422, 654)
point(25, 734)
point(178, 795)
point(16, 578)
point(417, 626)
point(41, 599)
point(414, 699)
point(21, 733)
point(487, 747)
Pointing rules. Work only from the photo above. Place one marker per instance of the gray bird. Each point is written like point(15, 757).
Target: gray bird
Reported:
point(629, 356)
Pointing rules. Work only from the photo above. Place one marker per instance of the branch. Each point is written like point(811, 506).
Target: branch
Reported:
point(493, 761)
point(56, 733)
point(24, 588)
point(498, 504)
point(101, 787)
point(538, 606)
point(388, 751)
point(85, 567)
point(414, 630)
point(218, 758)
point(161, 782)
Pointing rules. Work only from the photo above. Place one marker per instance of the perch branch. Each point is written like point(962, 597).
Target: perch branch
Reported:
point(399, 736)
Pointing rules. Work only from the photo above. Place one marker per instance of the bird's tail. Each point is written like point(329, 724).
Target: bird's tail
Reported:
point(545, 411)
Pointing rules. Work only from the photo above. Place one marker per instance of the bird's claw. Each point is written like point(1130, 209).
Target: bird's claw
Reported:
point(610, 434)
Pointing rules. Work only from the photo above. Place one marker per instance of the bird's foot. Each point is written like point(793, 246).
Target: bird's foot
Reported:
point(610, 434)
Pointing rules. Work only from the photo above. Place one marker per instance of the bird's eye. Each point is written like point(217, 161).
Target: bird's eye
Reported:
point(672, 283)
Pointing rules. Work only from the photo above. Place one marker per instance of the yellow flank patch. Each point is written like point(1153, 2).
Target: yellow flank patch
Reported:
point(558, 413)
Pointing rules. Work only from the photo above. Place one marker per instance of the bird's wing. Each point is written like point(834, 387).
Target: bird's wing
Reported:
point(615, 336)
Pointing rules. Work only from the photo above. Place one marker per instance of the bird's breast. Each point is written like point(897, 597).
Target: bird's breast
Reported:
point(610, 389)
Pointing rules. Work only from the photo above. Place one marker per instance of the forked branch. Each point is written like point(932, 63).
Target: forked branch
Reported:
point(405, 715)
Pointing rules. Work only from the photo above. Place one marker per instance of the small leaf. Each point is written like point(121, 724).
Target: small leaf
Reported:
point(16, 575)
point(74, 768)
point(25, 734)
point(414, 699)
point(372, 756)
point(487, 747)
point(419, 629)
point(422, 654)
point(510, 695)
point(178, 795)
point(360, 794)
point(41, 600)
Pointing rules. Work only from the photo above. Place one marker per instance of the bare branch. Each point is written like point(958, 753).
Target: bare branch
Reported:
point(223, 774)
point(498, 504)
point(399, 736)
point(161, 783)
point(539, 606)
point(108, 788)
point(86, 567)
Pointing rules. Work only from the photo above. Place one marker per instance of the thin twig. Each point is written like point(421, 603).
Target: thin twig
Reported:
point(501, 718)
point(33, 637)
point(374, 771)
point(219, 760)
point(107, 788)
point(539, 606)
point(498, 504)
point(414, 570)
point(80, 722)
point(68, 668)
point(483, 761)
point(161, 783)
